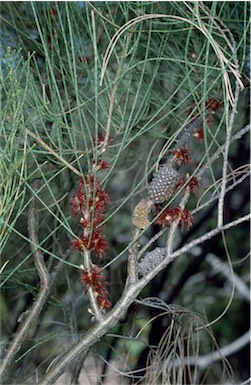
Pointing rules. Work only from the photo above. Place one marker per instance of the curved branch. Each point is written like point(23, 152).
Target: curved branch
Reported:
point(31, 315)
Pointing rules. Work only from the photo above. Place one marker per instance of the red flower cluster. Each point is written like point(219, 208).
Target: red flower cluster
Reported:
point(95, 279)
point(193, 184)
point(171, 214)
point(89, 202)
point(89, 196)
point(182, 154)
point(95, 241)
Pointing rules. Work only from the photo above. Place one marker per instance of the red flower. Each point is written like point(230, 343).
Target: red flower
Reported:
point(101, 165)
point(76, 205)
point(102, 199)
point(96, 279)
point(89, 202)
point(89, 196)
point(78, 201)
point(212, 104)
point(94, 242)
point(170, 215)
point(186, 218)
point(199, 135)
point(98, 242)
point(103, 302)
point(97, 197)
point(90, 221)
point(100, 139)
point(91, 185)
point(182, 154)
point(79, 243)
point(193, 184)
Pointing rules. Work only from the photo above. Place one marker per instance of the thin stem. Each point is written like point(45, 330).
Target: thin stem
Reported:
point(51, 151)
point(92, 297)
point(171, 234)
point(225, 157)
point(111, 106)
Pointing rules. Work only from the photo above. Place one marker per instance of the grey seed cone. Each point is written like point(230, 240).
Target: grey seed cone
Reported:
point(151, 260)
point(163, 185)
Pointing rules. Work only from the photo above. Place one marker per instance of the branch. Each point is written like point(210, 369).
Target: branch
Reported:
point(220, 267)
point(130, 293)
point(31, 315)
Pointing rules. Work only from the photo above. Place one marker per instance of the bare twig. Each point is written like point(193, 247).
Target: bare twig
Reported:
point(112, 101)
point(31, 315)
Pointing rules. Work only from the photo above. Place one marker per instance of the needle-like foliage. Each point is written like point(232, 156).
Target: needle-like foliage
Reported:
point(123, 136)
